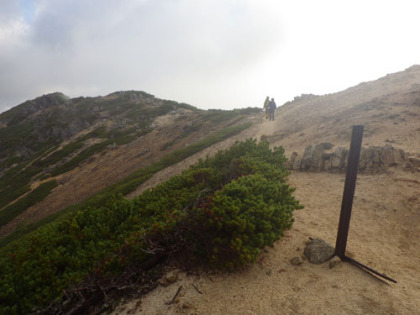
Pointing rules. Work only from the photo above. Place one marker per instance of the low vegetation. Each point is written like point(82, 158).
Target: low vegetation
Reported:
point(132, 181)
point(220, 213)
point(218, 115)
point(12, 211)
point(34, 129)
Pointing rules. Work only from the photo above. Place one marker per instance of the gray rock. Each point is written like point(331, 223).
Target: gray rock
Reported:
point(326, 145)
point(318, 251)
point(334, 262)
point(292, 159)
point(168, 278)
point(339, 157)
point(373, 159)
point(296, 261)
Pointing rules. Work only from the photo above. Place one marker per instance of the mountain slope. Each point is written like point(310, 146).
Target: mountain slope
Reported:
point(86, 144)
point(389, 108)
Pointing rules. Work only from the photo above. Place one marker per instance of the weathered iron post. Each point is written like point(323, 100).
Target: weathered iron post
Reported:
point(349, 189)
point(347, 203)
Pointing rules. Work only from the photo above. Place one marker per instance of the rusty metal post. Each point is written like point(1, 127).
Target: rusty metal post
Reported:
point(349, 189)
point(347, 203)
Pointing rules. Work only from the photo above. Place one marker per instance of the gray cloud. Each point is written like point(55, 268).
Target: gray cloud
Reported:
point(208, 53)
point(100, 46)
point(9, 10)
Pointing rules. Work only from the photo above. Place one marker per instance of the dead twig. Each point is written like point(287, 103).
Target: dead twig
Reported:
point(196, 289)
point(175, 296)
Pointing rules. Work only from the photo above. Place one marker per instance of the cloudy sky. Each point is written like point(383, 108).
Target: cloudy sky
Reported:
point(207, 53)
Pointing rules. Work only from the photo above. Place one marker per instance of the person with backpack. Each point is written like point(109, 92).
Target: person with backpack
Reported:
point(265, 108)
point(271, 108)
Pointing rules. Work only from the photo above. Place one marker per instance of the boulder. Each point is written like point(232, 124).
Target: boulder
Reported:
point(312, 157)
point(318, 251)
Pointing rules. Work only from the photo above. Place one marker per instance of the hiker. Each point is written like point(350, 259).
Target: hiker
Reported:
point(265, 108)
point(271, 108)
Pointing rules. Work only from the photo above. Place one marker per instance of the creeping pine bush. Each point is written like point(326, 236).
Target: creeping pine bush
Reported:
point(220, 212)
point(249, 204)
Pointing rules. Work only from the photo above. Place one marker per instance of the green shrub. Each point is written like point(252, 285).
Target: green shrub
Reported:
point(243, 217)
point(221, 212)
point(244, 204)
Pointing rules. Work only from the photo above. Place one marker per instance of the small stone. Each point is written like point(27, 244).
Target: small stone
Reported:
point(334, 262)
point(187, 306)
point(169, 278)
point(318, 251)
point(296, 261)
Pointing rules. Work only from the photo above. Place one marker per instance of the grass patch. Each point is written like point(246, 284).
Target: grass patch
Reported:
point(219, 115)
point(15, 183)
point(12, 211)
point(90, 151)
point(60, 154)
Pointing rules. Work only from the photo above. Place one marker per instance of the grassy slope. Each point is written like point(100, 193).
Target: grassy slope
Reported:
point(132, 181)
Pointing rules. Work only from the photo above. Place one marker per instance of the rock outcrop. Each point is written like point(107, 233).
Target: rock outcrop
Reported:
point(373, 160)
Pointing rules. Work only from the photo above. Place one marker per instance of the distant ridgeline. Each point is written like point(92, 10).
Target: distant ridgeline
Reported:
point(37, 125)
point(31, 135)
point(373, 160)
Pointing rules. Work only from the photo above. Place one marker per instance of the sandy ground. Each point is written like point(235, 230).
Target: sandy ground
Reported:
point(384, 234)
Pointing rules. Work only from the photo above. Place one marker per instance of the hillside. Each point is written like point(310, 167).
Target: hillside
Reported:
point(81, 146)
point(384, 227)
point(78, 147)
point(388, 108)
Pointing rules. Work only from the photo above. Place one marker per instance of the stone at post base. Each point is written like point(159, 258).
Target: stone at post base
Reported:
point(318, 251)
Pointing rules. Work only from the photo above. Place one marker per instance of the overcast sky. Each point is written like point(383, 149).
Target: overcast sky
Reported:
point(208, 53)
